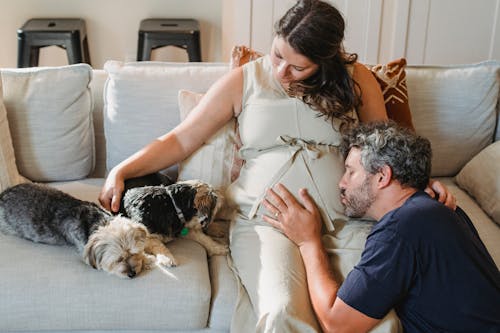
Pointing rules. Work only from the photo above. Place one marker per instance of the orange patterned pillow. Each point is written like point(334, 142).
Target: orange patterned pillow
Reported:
point(392, 80)
point(240, 55)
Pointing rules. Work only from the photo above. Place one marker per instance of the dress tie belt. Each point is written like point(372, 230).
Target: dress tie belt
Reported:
point(312, 151)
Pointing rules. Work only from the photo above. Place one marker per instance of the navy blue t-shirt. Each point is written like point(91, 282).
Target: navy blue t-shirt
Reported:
point(428, 263)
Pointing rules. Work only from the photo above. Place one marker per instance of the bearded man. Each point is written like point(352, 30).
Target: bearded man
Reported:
point(421, 258)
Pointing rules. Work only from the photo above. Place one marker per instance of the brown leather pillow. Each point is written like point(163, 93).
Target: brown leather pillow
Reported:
point(392, 80)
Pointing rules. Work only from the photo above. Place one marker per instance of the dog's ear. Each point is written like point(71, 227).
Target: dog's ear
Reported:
point(207, 202)
point(137, 238)
point(90, 254)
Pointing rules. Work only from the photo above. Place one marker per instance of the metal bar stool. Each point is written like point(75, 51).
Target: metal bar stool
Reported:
point(183, 33)
point(69, 34)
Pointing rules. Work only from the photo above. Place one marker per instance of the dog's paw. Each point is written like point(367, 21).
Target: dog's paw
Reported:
point(163, 260)
point(218, 250)
point(149, 261)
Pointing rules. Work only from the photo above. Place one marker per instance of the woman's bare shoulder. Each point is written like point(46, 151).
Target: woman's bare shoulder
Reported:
point(362, 73)
point(372, 101)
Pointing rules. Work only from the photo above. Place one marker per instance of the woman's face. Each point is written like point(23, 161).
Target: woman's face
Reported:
point(289, 65)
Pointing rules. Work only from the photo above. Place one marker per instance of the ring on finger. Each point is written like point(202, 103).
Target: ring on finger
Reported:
point(277, 214)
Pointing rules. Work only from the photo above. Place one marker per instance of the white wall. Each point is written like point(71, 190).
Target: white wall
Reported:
point(422, 31)
point(112, 27)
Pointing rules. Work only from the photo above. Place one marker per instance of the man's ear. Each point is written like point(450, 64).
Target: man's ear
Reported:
point(384, 176)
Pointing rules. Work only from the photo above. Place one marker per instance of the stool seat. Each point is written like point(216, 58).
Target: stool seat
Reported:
point(68, 33)
point(159, 32)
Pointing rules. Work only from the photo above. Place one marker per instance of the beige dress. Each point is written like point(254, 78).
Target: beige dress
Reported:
point(284, 141)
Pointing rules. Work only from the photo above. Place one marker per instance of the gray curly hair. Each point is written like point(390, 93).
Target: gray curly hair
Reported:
point(385, 143)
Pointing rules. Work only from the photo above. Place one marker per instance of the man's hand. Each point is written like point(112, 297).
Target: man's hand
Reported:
point(299, 221)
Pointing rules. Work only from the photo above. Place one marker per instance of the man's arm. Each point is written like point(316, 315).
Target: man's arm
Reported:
point(302, 224)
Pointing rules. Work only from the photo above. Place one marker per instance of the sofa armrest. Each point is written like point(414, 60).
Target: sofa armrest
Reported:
point(480, 177)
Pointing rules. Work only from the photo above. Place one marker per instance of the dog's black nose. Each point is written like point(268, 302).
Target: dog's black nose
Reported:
point(131, 274)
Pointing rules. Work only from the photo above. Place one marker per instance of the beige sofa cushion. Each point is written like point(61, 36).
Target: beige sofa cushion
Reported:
point(49, 288)
point(455, 107)
point(212, 162)
point(488, 231)
point(481, 179)
point(140, 101)
point(49, 112)
point(9, 176)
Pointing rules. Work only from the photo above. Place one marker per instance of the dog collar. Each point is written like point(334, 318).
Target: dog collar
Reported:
point(180, 215)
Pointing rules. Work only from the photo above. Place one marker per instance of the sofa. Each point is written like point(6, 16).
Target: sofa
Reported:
point(67, 126)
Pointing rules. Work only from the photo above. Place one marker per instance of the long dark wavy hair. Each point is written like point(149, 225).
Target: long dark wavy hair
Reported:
point(315, 29)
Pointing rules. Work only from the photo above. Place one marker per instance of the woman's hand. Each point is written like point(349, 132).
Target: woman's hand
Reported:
point(111, 192)
point(444, 196)
point(301, 222)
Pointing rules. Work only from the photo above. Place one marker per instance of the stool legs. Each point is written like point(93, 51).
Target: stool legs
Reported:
point(86, 53)
point(28, 54)
point(23, 55)
point(144, 48)
point(78, 52)
point(74, 49)
point(193, 48)
point(159, 32)
point(69, 34)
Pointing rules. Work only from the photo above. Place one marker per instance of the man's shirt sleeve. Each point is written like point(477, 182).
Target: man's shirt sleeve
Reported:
point(382, 277)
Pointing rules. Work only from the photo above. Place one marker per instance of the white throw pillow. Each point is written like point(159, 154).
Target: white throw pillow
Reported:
point(141, 102)
point(455, 108)
point(50, 118)
point(481, 179)
point(9, 176)
point(211, 163)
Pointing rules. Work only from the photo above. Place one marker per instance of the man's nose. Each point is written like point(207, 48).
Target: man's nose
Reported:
point(342, 182)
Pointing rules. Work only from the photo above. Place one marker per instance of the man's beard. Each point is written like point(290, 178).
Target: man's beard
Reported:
point(359, 200)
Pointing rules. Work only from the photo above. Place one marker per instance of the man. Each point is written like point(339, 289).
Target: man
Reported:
point(421, 258)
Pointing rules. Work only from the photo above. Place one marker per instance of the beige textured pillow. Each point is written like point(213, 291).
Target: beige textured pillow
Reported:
point(481, 179)
point(455, 108)
point(9, 176)
point(50, 120)
point(141, 101)
point(211, 163)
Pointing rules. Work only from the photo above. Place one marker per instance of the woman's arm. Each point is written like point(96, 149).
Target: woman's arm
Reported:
point(214, 110)
point(372, 101)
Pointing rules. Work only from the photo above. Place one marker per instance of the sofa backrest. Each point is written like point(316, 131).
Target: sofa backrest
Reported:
point(456, 107)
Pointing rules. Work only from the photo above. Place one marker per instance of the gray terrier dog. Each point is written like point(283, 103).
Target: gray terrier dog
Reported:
point(119, 245)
